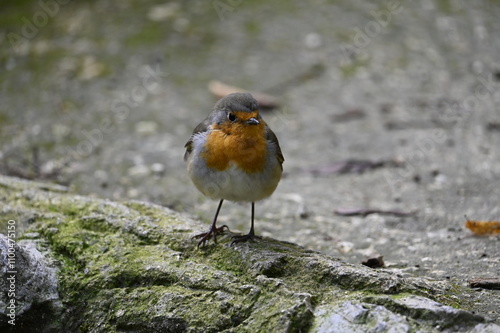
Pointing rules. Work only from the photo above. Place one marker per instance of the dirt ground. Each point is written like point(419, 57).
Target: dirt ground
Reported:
point(389, 105)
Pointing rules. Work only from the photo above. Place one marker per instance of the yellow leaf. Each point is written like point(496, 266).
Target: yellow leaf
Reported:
point(483, 228)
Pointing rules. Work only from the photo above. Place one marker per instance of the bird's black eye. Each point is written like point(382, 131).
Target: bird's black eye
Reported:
point(231, 116)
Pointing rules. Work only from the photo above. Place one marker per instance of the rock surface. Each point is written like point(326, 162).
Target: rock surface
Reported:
point(132, 267)
point(29, 285)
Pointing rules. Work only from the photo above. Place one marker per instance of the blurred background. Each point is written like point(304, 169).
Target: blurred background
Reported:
point(381, 105)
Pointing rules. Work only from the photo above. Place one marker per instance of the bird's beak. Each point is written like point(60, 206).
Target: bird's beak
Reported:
point(253, 121)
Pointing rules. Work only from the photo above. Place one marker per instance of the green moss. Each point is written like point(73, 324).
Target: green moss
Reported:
point(4, 118)
point(344, 36)
point(445, 6)
point(13, 12)
point(149, 33)
point(252, 27)
point(121, 263)
point(224, 259)
point(4, 221)
point(351, 68)
point(450, 298)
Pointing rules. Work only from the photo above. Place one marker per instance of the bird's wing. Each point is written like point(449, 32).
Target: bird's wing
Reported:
point(270, 136)
point(202, 127)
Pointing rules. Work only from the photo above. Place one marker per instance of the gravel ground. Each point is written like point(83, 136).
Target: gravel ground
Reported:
point(103, 95)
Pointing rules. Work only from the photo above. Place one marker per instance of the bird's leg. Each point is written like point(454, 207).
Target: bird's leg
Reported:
point(205, 237)
point(251, 235)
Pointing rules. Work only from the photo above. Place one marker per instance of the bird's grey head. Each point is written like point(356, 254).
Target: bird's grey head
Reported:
point(237, 102)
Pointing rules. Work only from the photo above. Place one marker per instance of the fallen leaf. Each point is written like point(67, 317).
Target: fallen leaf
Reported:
point(220, 89)
point(367, 211)
point(483, 228)
point(351, 114)
point(485, 283)
point(493, 126)
point(353, 166)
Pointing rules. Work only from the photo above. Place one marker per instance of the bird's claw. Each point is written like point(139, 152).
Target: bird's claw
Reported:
point(244, 238)
point(205, 236)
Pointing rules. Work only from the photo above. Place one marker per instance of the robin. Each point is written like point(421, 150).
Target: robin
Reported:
point(233, 155)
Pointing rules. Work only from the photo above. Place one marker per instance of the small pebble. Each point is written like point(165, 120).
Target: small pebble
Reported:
point(133, 193)
point(313, 40)
point(345, 247)
point(138, 171)
point(157, 168)
point(146, 127)
point(163, 12)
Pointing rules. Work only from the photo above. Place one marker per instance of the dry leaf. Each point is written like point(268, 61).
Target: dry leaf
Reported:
point(220, 89)
point(483, 228)
point(485, 283)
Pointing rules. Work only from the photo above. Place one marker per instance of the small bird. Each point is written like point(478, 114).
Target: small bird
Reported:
point(233, 155)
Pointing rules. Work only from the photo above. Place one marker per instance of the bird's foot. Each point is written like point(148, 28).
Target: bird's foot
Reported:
point(244, 238)
point(213, 232)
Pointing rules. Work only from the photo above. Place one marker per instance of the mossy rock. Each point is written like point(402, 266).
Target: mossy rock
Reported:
point(133, 267)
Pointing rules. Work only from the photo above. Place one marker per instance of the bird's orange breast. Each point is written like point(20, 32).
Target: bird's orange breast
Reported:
point(242, 144)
